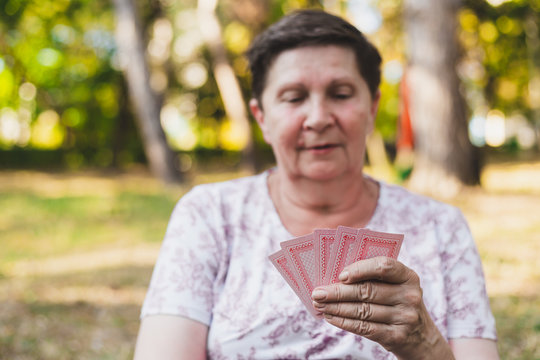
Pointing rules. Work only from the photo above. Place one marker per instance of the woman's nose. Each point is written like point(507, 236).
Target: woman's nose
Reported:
point(318, 116)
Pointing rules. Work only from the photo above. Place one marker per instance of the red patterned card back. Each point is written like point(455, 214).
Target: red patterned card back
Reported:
point(374, 243)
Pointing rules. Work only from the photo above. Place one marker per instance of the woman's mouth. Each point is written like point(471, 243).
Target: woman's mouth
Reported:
point(321, 149)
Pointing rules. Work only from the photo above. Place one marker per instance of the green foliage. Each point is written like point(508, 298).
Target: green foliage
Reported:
point(58, 58)
point(499, 60)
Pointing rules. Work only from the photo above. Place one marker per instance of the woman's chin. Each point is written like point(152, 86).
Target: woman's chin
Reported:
point(323, 173)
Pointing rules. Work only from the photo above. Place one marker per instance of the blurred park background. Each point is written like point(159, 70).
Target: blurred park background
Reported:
point(111, 110)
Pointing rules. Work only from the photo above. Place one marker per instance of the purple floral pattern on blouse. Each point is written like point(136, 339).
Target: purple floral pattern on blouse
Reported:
point(213, 267)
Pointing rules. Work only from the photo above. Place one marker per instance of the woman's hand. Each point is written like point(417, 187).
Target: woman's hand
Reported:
point(381, 299)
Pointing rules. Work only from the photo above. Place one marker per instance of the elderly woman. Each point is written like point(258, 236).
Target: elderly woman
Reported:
point(214, 293)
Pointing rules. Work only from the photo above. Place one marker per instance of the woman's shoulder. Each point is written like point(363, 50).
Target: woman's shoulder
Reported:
point(221, 204)
point(231, 187)
point(414, 209)
point(399, 195)
point(226, 195)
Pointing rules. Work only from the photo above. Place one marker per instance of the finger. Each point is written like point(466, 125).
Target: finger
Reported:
point(367, 291)
point(368, 312)
point(364, 328)
point(379, 268)
point(384, 334)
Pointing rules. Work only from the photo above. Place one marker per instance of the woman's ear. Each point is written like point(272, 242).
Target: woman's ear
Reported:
point(373, 110)
point(258, 114)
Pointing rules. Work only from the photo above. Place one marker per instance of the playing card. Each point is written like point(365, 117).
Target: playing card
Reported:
point(317, 259)
point(344, 250)
point(280, 261)
point(374, 243)
point(301, 255)
point(325, 240)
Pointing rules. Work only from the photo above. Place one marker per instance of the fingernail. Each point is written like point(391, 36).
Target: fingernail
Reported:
point(318, 305)
point(319, 294)
point(344, 276)
point(328, 316)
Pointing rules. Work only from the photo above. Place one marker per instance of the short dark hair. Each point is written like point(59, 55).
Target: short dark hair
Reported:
point(306, 28)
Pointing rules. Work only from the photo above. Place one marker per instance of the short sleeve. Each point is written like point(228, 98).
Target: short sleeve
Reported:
point(468, 314)
point(190, 260)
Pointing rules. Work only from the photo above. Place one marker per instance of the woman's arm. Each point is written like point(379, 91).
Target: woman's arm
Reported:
point(171, 337)
point(468, 349)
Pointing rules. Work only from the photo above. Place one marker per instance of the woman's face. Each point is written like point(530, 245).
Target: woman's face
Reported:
point(316, 112)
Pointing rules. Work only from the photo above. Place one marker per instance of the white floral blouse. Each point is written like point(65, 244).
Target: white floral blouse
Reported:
point(213, 267)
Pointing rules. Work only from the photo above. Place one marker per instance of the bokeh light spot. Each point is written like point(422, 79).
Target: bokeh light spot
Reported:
point(237, 37)
point(63, 34)
point(72, 117)
point(232, 136)
point(488, 32)
point(495, 128)
point(178, 129)
point(194, 75)
point(477, 133)
point(393, 71)
point(9, 126)
point(47, 133)
point(27, 91)
point(468, 20)
point(7, 81)
point(49, 57)
point(507, 89)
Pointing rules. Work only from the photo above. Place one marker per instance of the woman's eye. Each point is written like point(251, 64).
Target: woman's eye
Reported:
point(293, 98)
point(342, 95)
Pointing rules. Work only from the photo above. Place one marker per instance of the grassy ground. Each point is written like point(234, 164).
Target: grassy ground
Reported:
point(78, 250)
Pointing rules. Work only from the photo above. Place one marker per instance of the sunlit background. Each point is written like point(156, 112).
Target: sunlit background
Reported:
point(82, 217)
point(62, 92)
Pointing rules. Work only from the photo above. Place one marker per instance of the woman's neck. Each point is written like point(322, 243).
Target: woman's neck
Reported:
point(304, 204)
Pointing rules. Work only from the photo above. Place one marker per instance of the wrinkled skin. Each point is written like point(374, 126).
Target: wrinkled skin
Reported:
point(381, 299)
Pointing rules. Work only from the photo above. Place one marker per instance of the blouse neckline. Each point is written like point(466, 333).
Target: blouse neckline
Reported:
point(276, 219)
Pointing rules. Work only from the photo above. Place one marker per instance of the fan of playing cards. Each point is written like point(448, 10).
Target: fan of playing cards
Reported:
point(318, 258)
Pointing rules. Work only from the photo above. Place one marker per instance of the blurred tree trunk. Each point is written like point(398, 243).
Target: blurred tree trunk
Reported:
point(122, 124)
point(228, 85)
point(445, 160)
point(533, 52)
point(131, 50)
